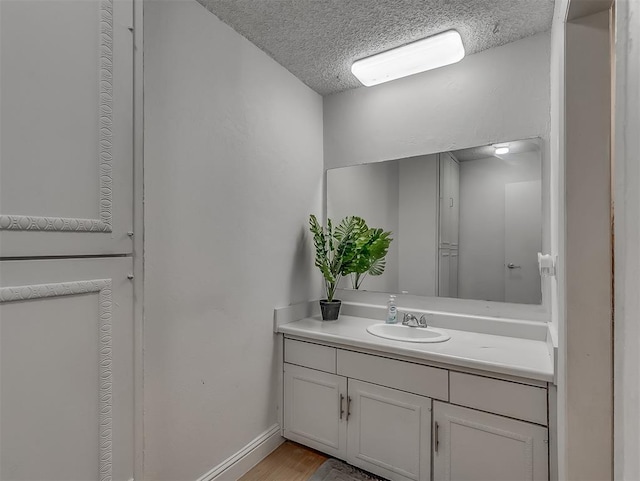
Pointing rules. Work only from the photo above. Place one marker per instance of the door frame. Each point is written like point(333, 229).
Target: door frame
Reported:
point(583, 311)
point(138, 238)
point(627, 241)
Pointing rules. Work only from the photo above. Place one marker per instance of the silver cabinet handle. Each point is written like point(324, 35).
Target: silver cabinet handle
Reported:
point(348, 407)
point(436, 440)
point(511, 265)
point(341, 402)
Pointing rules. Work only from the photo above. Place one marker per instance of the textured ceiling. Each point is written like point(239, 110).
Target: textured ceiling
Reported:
point(318, 40)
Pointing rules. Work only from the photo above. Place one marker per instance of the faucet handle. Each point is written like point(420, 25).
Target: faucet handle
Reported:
point(424, 318)
point(410, 320)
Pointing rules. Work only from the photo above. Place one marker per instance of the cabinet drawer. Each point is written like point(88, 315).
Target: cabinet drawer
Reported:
point(406, 376)
point(518, 401)
point(310, 355)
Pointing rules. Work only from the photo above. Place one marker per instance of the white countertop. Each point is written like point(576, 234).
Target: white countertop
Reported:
point(500, 354)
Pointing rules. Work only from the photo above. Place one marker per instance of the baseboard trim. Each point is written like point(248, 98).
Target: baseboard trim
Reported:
point(239, 463)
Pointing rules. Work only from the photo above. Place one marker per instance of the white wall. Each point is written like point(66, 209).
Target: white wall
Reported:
point(627, 243)
point(481, 271)
point(496, 95)
point(370, 192)
point(233, 167)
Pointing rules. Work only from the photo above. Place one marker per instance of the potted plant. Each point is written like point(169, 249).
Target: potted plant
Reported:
point(371, 249)
point(335, 248)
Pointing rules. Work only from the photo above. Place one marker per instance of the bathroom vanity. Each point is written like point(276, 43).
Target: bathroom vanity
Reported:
point(475, 407)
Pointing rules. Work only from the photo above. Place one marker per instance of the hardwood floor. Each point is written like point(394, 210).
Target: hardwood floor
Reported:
point(289, 462)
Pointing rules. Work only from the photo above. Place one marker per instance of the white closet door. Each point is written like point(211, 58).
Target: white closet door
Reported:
point(66, 370)
point(66, 156)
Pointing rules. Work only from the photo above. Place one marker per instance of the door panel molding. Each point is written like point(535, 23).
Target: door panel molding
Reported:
point(105, 140)
point(105, 360)
point(527, 441)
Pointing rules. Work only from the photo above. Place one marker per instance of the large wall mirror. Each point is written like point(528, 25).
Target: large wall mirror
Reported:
point(466, 223)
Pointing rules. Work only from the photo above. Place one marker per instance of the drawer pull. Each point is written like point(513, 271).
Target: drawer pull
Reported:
point(341, 403)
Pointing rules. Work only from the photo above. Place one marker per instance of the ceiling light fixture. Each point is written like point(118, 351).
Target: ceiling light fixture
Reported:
point(501, 149)
point(426, 54)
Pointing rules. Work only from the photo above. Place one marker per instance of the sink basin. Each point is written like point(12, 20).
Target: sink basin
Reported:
point(398, 332)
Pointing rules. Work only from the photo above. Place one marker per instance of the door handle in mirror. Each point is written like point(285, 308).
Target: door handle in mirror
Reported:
point(511, 265)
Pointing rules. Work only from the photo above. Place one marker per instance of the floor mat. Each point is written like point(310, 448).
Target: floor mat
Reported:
point(335, 470)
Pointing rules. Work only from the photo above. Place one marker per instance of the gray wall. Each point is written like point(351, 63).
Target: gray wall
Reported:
point(233, 167)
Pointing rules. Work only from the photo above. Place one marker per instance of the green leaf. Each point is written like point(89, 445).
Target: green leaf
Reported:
point(377, 267)
point(351, 247)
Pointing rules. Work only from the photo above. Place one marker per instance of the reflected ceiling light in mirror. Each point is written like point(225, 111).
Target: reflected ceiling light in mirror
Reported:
point(501, 149)
point(426, 54)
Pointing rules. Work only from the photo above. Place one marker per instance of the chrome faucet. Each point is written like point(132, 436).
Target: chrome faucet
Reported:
point(412, 321)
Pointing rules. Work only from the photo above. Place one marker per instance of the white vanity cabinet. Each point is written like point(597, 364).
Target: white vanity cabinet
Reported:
point(474, 445)
point(395, 417)
point(389, 432)
point(315, 409)
point(381, 430)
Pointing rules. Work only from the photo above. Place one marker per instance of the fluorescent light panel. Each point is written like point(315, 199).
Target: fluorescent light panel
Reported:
point(426, 54)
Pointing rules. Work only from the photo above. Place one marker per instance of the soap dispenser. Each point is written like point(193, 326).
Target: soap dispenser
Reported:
point(392, 310)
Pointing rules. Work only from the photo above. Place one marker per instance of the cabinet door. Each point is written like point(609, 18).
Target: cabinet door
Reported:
point(444, 272)
point(472, 445)
point(66, 82)
point(315, 413)
point(389, 432)
point(449, 200)
point(453, 273)
point(445, 200)
point(66, 364)
point(454, 203)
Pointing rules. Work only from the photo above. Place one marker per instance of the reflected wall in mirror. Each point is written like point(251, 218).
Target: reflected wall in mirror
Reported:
point(466, 223)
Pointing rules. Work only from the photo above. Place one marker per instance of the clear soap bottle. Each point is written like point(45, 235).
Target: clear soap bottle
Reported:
point(392, 310)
